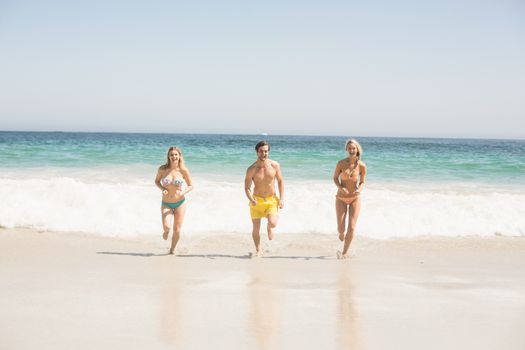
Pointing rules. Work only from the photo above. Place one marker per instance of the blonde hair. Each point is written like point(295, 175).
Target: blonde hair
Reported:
point(359, 148)
point(181, 164)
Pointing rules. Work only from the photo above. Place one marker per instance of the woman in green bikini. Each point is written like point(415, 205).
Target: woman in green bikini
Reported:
point(170, 179)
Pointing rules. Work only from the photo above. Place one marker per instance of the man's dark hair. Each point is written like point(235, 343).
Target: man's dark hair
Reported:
point(262, 143)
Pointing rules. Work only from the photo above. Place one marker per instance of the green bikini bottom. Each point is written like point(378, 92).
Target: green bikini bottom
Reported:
point(173, 205)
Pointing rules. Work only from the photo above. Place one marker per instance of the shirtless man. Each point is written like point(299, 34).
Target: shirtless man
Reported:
point(263, 201)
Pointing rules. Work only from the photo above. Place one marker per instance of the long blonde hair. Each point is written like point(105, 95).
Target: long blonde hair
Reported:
point(181, 164)
point(359, 148)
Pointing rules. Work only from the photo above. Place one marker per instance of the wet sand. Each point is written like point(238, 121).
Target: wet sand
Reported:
point(68, 290)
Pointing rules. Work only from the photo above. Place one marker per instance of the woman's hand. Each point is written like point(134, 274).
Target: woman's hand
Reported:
point(344, 190)
point(164, 191)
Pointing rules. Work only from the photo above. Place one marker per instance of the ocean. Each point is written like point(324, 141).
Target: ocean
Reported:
point(102, 184)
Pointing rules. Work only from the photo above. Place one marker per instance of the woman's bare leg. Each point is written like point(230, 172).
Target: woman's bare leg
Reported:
point(178, 218)
point(167, 218)
point(341, 209)
point(354, 209)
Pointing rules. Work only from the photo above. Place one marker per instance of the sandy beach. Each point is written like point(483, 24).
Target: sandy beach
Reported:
point(62, 290)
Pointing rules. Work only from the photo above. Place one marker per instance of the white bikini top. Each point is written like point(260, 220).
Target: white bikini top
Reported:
point(176, 182)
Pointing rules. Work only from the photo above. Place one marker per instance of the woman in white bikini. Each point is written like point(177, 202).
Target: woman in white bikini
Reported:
point(170, 179)
point(349, 177)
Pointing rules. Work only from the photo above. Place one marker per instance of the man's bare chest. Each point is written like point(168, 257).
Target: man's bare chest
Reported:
point(263, 174)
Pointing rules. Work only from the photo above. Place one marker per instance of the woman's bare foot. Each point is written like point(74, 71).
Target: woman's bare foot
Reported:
point(342, 256)
point(341, 236)
point(172, 251)
point(257, 254)
point(165, 235)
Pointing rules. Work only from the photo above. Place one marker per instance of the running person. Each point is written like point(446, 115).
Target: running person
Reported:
point(170, 180)
point(264, 203)
point(349, 177)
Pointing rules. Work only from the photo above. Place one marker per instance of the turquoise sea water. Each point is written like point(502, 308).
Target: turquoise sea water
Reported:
point(102, 183)
point(301, 157)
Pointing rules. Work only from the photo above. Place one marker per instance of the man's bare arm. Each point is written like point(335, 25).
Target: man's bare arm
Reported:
point(248, 184)
point(280, 184)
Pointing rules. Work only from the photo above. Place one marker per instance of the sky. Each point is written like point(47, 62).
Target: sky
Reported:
point(431, 68)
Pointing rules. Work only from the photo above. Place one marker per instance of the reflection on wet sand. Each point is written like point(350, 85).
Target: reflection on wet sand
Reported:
point(205, 309)
point(348, 333)
point(263, 312)
point(263, 308)
point(172, 322)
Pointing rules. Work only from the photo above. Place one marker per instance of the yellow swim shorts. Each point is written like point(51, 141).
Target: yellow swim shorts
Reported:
point(265, 206)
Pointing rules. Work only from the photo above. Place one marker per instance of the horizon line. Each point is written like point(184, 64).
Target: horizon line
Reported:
point(264, 134)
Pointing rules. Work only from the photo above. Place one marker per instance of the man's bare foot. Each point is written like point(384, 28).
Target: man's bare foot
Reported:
point(165, 235)
point(341, 236)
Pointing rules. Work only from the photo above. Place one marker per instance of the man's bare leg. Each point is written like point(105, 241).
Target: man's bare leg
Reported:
point(272, 223)
point(256, 236)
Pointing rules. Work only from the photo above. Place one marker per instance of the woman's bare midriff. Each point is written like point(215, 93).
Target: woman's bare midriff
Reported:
point(174, 194)
point(351, 195)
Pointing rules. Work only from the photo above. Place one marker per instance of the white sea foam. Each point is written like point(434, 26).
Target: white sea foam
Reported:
point(99, 203)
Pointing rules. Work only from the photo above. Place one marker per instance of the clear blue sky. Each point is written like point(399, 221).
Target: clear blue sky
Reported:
point(443, 68)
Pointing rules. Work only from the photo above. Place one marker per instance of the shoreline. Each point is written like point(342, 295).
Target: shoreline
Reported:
point(63, 290)
point(317, 243)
